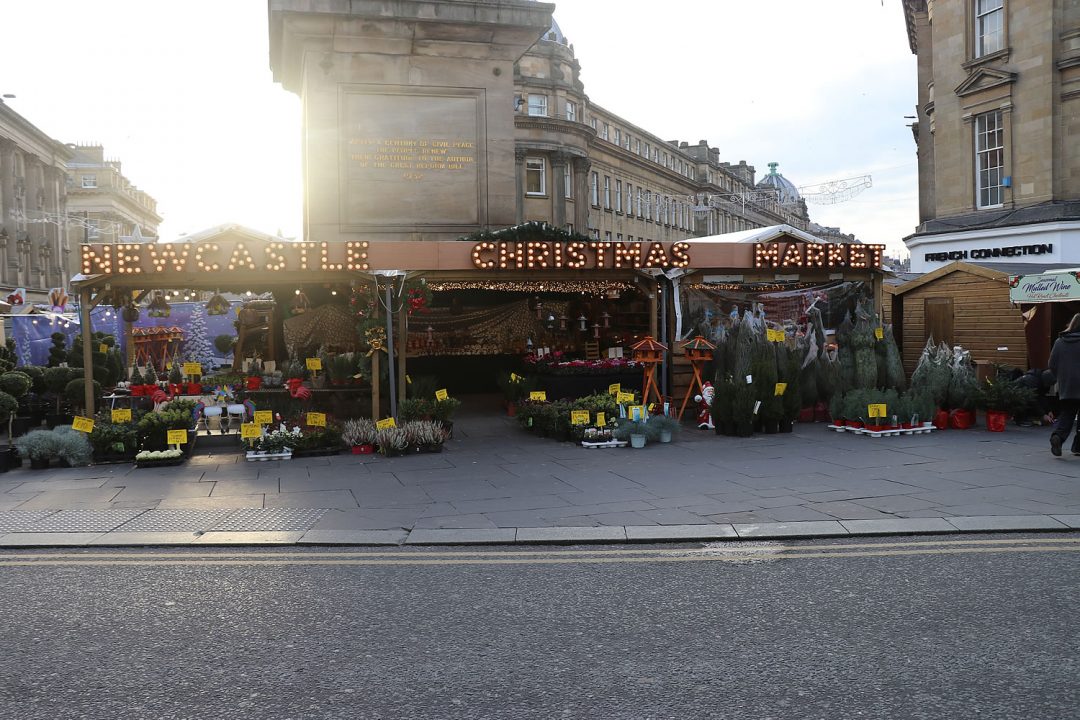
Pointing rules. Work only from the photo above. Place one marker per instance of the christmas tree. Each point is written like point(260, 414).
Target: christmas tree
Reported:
point(197, 347)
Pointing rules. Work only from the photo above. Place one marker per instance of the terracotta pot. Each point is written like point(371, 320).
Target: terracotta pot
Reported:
point(995, 420)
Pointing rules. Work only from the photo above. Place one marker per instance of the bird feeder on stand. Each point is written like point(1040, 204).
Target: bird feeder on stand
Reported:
point(650, 353)
point(699, 351)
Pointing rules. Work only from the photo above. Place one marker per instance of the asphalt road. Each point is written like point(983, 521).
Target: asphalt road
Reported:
point(945, 627)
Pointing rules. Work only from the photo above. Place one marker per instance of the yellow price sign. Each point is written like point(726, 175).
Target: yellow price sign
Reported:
point(192, 368)
point(514, 377)
point(316, 419)
point(386, 423)
point(177, 437)
point(877, 410)
point(776, 335)
point(624, 397)
point(120, 415)
point(314, 363)
point(83, 424)
point(408, 380)
point(103, 348)
point(538, 395)
point(601, 419)
point(781, 388)
point(579, 417)
point(441, 394)
point(879, 333)
point(264, 417)
point(250, 431)
point(614, 388)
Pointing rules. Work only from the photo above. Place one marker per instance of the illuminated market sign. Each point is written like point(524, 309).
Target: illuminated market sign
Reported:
point(595, 255)
point(988, 253)
point(855, 256)
point(211, 257)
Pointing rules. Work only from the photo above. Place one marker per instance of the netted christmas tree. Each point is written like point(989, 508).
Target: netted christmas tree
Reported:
point(197, 346)
point(933, 374)
point(862, 342)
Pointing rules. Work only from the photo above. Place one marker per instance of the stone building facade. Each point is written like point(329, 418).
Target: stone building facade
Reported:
point(34, 250)
point(432, 119)
point(998, 131)
point(102, 204)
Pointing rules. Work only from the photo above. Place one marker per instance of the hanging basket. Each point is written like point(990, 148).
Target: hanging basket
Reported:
point(217, 305)
point(130, 313)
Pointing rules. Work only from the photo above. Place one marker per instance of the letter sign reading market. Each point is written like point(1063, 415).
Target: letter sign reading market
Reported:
point(595, 255)
point(854, 256)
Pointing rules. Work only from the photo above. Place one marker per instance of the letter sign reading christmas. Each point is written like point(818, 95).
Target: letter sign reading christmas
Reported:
point(579, 255)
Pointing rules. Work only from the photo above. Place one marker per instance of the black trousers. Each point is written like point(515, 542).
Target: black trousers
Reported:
point(1066, 419)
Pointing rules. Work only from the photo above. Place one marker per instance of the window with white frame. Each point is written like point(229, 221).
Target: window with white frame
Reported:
point(618, 196)
point(646, 151)
point(93, 229)
point(607, 192)
point(989, 159)
point(989, 26)
point(637, 146)
point(626, 143)
point(607, 236)
point(629, 199)
point(605, 133)
point(538, 105)
point(640, 195)
point(648, 206)
point(568, 182)
point(618, 136)
point(571, 110)
point(535, 176)
point(89, 181)
point(594, 188)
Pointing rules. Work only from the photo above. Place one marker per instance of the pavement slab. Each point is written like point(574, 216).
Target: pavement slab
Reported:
point(789, 530)
point(353, 537)
point(1002, 522)
point(570, 534)
point(660, 533)
point(898, 526)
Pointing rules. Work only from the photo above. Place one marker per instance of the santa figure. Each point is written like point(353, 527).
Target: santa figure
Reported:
point(704, 401)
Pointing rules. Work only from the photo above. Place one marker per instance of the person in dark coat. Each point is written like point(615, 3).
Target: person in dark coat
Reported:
point(1065, 364)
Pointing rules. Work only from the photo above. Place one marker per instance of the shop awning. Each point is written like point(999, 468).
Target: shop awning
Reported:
point(1060, 286)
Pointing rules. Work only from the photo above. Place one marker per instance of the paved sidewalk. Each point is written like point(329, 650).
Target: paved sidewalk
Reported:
point(498, 484)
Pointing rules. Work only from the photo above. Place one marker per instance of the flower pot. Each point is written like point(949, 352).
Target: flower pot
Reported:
point(253, 383)
point(637, 441)
point(363, 449)
point(941, 419)
point(995, 420)
point(14, 459)
point(39, 463)
point(961, 419)
point(511, 409)
point(840, 422)
point(137, 391)
point(771, 427)
point(20, 426)
point(294, 384)
point(821, 412)
point(806, 415)
point(857, 424)
point(785, 426)
point(665, 436)
point(176, 389)
point(194, 388)
point(905, 426)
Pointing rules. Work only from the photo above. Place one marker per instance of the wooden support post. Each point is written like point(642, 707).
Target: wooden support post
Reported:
point(376, 382)
point(402, 346)
point(88, 351)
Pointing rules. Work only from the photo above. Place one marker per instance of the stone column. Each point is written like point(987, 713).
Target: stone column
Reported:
point(582, 200)
point(519, 184)
point(7, 203)
point(559, 161)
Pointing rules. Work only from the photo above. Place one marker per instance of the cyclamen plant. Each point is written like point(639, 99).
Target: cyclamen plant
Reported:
point(279, 440)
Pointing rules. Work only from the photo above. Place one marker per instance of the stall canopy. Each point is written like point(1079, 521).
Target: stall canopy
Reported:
point(1049, 287)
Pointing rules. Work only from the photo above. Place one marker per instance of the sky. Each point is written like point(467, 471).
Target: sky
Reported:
point(183, 95)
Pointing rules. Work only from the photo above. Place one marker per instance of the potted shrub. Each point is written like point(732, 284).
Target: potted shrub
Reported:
point(224, 344)
point(176, 380)
point(359, 434)
point(663, 427)
point(40, 446)
point(113, 442)
point(17, 385)
point(443, 412)
point(75, 392)
point(8, 407)
point(1001, 399)
point(636, 431)
point(275, 444)
point(410, 409)
point(722, 409)
point(254, 375)
point(73, 449)
point(35, 404)
point(56, 381)
point(392, 442)
point(427, 435)
point(295, 374)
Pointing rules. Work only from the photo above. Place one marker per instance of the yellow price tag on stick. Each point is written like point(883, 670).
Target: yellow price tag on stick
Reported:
point(250, 431)
point(781, 388)
point(879, 333)
point(177, 437)
point(103, 348)
point(264, 417)
point(314, 363)
point(876, 410)
point(316, 419)
point(601, 419)
point(624, 397)
point(514, 377)
point(614, 388)
point(192, 368)
point(441, 394)
point(538, 395)
point(121, 415)
point(579, 417)
point(386, 423)
point(83, 424)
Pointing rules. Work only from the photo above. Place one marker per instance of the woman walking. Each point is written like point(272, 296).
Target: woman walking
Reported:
point(1065, 364)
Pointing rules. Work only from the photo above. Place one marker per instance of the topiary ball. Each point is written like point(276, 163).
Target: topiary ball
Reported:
point(15, 383)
